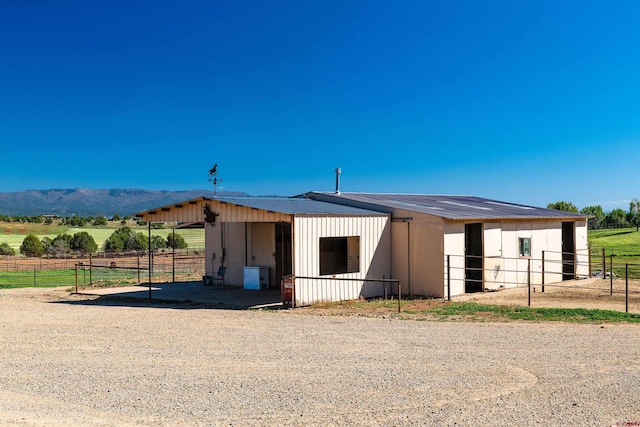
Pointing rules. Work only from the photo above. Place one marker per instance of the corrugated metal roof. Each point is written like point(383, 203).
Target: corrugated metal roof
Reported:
point(444, 206)
point(296, 206)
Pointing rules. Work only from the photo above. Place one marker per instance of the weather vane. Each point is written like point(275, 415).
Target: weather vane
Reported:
point(213, 177)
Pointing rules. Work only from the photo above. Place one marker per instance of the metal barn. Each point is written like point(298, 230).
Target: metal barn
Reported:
point(473, 244)
point(313, 241)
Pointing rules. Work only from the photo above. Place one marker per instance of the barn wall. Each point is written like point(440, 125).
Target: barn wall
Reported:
point(416, 254)
point(374, 262)
point(234, 254)
point(190, 211)
point(503, 267)
point(193, 211)
point(262, 248)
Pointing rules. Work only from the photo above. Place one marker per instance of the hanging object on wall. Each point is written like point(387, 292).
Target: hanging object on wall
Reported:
point(210, 215)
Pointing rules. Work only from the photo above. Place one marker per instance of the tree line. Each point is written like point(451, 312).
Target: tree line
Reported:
point(617, 218)
point(123, 239)
point(74, 220)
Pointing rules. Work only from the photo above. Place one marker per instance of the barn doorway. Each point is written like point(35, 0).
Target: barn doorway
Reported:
point(283, 251)
point(568, 251)
point(473, 259)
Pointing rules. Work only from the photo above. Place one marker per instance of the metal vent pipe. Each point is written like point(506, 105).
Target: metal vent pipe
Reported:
point(338, 172)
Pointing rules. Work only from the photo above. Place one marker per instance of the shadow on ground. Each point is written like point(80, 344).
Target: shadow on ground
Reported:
point(189, 295)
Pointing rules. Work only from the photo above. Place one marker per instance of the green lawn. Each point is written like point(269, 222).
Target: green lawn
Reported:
point(67, 277)
point(41, 279)
point(623, 242)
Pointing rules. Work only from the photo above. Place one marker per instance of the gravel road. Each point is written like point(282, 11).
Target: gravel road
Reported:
point(70, 360)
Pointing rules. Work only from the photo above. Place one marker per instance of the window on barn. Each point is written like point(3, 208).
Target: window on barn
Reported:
point(339, 255)
point(524, 246)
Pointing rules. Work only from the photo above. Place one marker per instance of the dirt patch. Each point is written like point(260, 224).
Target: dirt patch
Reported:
point(585, 293)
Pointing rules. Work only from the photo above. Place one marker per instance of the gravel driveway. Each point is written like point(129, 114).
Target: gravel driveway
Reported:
point(68, 360)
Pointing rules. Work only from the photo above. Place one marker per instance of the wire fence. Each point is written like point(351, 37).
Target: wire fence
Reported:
point(593, 278)
point(104, 269)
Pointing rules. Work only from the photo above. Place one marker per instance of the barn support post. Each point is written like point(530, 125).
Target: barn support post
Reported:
point(626, 288)
point(529, 281)
point(408, 258)
point(399, 295)
point(542, 271)
point(173, 260)
point(149, 256)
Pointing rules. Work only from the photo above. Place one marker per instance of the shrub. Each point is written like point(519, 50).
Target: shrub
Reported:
point(59, 246)
point(125, 239)
point(158, 243)
point(83, 242)
point(5, 249)
point(100, 220)
point(32, 246)
point(176, 241)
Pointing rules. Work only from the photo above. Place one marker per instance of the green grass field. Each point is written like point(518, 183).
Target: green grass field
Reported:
point(623, 242)
point(41, 279)
point(13, 234)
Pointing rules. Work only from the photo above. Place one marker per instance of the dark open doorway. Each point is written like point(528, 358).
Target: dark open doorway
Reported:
point(473, 260)
point(283, 251)
point(568, 251)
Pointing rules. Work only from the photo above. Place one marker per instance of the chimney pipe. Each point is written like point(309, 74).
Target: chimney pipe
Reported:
point(338, 172)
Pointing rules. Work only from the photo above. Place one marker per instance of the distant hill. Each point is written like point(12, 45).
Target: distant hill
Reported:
point(85, 202)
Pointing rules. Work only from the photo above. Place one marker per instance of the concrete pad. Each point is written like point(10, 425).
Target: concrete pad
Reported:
point(228, 297)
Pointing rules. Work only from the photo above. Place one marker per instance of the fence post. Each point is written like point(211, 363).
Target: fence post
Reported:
point(542, 271)
point(399, 297)
point(34, 277)
point(611, 274)
point(604, 265)
point(90, 269)
point(589, 254)
point(138, 255)
point(449, 277)
point(626, 288)
point(76, 278)
point(529, 280)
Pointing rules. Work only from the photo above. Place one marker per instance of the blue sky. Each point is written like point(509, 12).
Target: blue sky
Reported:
point(522, 101)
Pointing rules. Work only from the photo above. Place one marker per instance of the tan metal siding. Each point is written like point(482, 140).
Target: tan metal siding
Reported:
point(510, 270)
point(194, 212)
point(374, 233)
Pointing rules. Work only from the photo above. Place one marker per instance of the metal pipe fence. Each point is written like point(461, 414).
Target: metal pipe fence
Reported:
point(103, 269)
point(605, 276)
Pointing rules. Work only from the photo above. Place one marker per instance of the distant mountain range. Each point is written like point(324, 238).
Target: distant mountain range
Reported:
point(86, 202)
